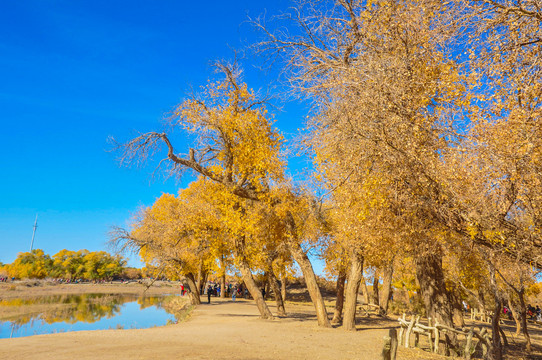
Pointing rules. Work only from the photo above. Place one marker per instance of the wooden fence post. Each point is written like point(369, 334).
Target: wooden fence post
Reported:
point(468, 345)
point(409, 330)
point(401, 332)
point(389, 352)
point(437, 338)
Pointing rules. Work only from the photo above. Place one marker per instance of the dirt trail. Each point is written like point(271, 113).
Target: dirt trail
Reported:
point(221, 330)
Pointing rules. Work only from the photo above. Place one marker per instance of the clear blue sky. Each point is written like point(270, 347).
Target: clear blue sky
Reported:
point(74, 72)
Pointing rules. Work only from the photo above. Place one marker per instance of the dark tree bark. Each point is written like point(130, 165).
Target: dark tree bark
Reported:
point(339, 302)
point(352, 287)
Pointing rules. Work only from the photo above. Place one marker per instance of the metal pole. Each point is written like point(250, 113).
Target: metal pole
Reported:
point(34, 233)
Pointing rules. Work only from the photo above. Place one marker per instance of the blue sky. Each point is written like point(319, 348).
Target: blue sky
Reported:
point(75, 72)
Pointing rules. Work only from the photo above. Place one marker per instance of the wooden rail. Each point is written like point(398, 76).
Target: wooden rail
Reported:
point(433, 333)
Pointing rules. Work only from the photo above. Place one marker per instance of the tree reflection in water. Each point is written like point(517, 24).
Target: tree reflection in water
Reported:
point(71, 309)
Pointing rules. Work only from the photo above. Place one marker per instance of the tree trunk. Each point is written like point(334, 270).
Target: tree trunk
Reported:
point(438, 304)
point(283, 286)
point(199, 279)
point(339, 302)
point(523, 316)
point(516, 315)
point(481, 301)
point(248, 279)
point(266, 284)
point(364, 290)
point(375, 296)
point(273, 281)
point(352, 288)
point(222, 277)
point(312, 285)
point(194, 290)
point(458, 311)
point(387, 278)
point(496, 344)
point(430, 276)
point(496, 348)
point(308, 273)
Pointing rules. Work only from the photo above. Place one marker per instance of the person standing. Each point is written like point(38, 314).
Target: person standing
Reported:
point(209, 289)
point(234, 293)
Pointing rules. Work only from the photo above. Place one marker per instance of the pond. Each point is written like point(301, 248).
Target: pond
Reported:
point(61, 313)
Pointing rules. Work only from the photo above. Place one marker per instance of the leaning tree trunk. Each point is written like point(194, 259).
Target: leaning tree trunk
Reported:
point(312, 285)
point(516, 315)
point(385, 295)
point(248, 279)
point(352, 288)
point(308, 273)
point(273, 281)
point(339, 302)
point(194, 290)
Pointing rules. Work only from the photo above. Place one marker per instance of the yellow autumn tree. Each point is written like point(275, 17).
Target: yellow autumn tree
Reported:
point(235, 146)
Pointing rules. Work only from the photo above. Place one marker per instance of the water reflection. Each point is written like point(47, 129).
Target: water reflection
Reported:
point(58, 313)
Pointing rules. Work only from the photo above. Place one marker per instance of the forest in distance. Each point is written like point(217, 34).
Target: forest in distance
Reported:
point(424, 132)
point(67, 265)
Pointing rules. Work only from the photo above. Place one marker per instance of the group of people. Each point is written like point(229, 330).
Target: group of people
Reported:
point(5, 279)
point(233, 290)
point(535, 313)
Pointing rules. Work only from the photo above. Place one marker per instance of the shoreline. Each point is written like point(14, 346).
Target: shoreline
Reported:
point(28, 289)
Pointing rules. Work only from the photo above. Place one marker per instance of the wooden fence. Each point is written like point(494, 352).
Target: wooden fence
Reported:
point(435, 332)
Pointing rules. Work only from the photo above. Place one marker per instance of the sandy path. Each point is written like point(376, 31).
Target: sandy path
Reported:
point(222, 330)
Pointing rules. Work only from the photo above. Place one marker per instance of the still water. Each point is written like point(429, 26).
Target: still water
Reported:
point(61, 313)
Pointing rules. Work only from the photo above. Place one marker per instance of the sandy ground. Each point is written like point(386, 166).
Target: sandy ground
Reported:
point(220, 330)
